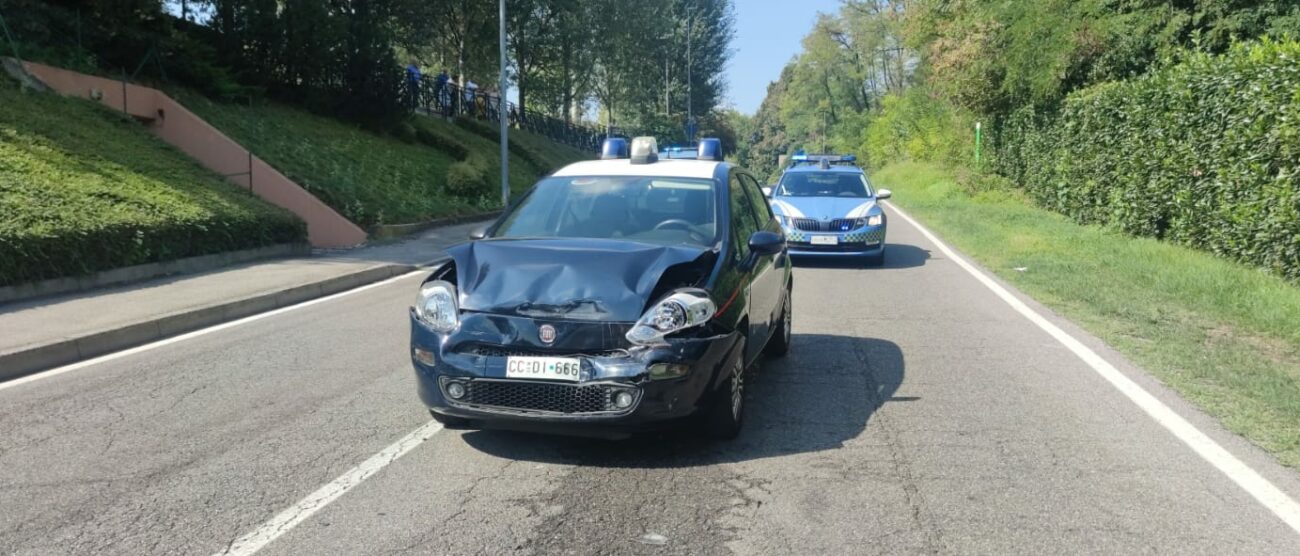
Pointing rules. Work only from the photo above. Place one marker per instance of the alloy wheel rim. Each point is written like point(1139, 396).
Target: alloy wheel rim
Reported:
point(737, 390)
point(789, 320)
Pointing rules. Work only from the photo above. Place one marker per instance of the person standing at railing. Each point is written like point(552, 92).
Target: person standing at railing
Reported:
point(471, 91)
point(443, 93)
point(413, 84)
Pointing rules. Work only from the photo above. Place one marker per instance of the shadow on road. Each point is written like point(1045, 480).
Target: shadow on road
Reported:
point(820, 396)
point(897, 255)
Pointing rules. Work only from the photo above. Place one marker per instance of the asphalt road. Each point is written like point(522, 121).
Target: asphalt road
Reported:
point(917, 413)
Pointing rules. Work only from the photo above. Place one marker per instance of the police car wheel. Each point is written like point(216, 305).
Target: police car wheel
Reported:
point(779, 345)
point(726, 415)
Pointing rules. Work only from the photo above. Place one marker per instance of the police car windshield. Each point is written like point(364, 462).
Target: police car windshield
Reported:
point(668, 211)
point(824, 184)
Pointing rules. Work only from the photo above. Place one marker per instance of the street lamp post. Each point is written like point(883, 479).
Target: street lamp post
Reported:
point(502, 116)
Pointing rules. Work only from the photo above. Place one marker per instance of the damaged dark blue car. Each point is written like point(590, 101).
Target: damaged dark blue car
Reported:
point(615, 296)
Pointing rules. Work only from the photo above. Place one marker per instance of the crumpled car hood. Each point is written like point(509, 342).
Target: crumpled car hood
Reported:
point(581, 279)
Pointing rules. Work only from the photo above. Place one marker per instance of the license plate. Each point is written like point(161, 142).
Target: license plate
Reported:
point(825, 240)
point(544, 368)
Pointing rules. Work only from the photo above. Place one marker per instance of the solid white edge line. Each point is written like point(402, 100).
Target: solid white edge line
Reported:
point(200, 332)
point(1247, 478)
point(285, 521)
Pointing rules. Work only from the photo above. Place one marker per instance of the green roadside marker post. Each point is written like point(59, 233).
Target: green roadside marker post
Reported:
point(977, 144)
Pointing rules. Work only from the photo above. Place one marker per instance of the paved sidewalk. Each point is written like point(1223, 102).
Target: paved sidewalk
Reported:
point(43, 333)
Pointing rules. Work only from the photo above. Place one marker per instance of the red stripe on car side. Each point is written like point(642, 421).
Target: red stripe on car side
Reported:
point(728, 303)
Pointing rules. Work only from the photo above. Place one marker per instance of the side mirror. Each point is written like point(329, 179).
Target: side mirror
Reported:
point(767, 192)
point(883, 194)
point(766, 243)
point(479, 232)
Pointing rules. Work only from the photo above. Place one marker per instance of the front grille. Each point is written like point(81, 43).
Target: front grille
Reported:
point(566, 399)
point(836, 225)
point(510, 351)
point(808, 224)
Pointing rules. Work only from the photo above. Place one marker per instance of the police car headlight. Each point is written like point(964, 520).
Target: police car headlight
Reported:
point(785, 221)
point(874, 220)
point(436, 306)
point(679, 311)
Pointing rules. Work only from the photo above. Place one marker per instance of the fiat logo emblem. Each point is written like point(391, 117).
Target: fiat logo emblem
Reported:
point(546, 333)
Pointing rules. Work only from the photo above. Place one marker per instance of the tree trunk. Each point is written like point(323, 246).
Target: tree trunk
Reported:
point(565, 54)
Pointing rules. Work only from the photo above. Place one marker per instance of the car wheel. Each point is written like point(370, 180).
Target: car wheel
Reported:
point(779, 345)
point(448, 421)
point(728, 410)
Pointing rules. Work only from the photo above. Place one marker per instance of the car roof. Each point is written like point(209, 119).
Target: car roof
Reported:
point(665, 168)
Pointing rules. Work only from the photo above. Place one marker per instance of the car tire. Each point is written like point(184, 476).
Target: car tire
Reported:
point(448, 421)
point(727, 412)
point(779, 344)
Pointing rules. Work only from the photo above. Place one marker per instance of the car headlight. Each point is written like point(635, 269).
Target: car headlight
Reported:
point(436, 306)
point(784, 221)
point(873, 220)
point(679, 311)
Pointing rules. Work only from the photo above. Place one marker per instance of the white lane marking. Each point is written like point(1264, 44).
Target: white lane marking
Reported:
point(200, 332)
point(314, 502)
point(1248, 479)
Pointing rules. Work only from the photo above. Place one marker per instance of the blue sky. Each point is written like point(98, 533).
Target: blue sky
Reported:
point(767, 36)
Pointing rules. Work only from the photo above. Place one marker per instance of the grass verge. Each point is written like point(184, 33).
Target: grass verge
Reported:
point(371, 178)
point(84, 189)
point(1225, 336)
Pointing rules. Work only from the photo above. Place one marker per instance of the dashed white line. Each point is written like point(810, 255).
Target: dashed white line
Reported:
point(1278, 502)
point(285, 521)
point(200, 332)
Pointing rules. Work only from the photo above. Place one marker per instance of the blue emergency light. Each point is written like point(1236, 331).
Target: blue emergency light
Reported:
point(710, 149)
point(614, 148)
point(822, 159)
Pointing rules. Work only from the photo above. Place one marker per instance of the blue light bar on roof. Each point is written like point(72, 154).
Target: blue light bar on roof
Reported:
point(823, 160)
point(614, 147)
point(710, 149)
point(816, 158)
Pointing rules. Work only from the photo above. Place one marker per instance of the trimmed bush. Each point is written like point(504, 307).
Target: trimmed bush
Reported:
point(466, 180)
point(481, 129)
point(442, 143)
point(1205, 153)
point(83, 189)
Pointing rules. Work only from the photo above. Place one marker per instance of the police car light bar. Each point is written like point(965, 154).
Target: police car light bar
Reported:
point(820, 158)
point(614, 148)
point(645, 150)
point(710, 149)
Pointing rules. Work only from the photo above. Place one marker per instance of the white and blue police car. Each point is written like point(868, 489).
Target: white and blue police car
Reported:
point(828, 208)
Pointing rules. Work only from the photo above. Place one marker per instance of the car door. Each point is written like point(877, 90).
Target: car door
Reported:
point(769, 270)
point(743, 226)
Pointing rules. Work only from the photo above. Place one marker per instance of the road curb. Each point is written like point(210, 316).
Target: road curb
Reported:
point(63, 351)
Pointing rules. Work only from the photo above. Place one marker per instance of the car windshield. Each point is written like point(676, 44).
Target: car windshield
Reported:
point(824, 184)
point(667, 211)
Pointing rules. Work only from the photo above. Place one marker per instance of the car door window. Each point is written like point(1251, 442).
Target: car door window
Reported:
point(742, 217)
point(762, 211)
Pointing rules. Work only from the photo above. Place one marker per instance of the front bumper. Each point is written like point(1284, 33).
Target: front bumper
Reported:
point(863, 242)
point(475, 356)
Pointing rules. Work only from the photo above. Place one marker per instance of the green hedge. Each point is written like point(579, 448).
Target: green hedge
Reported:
point(1204, 153)
point(83, 189)
point(516, 148)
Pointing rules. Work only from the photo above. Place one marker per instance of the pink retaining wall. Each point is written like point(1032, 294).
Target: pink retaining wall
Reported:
point(184, 130)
